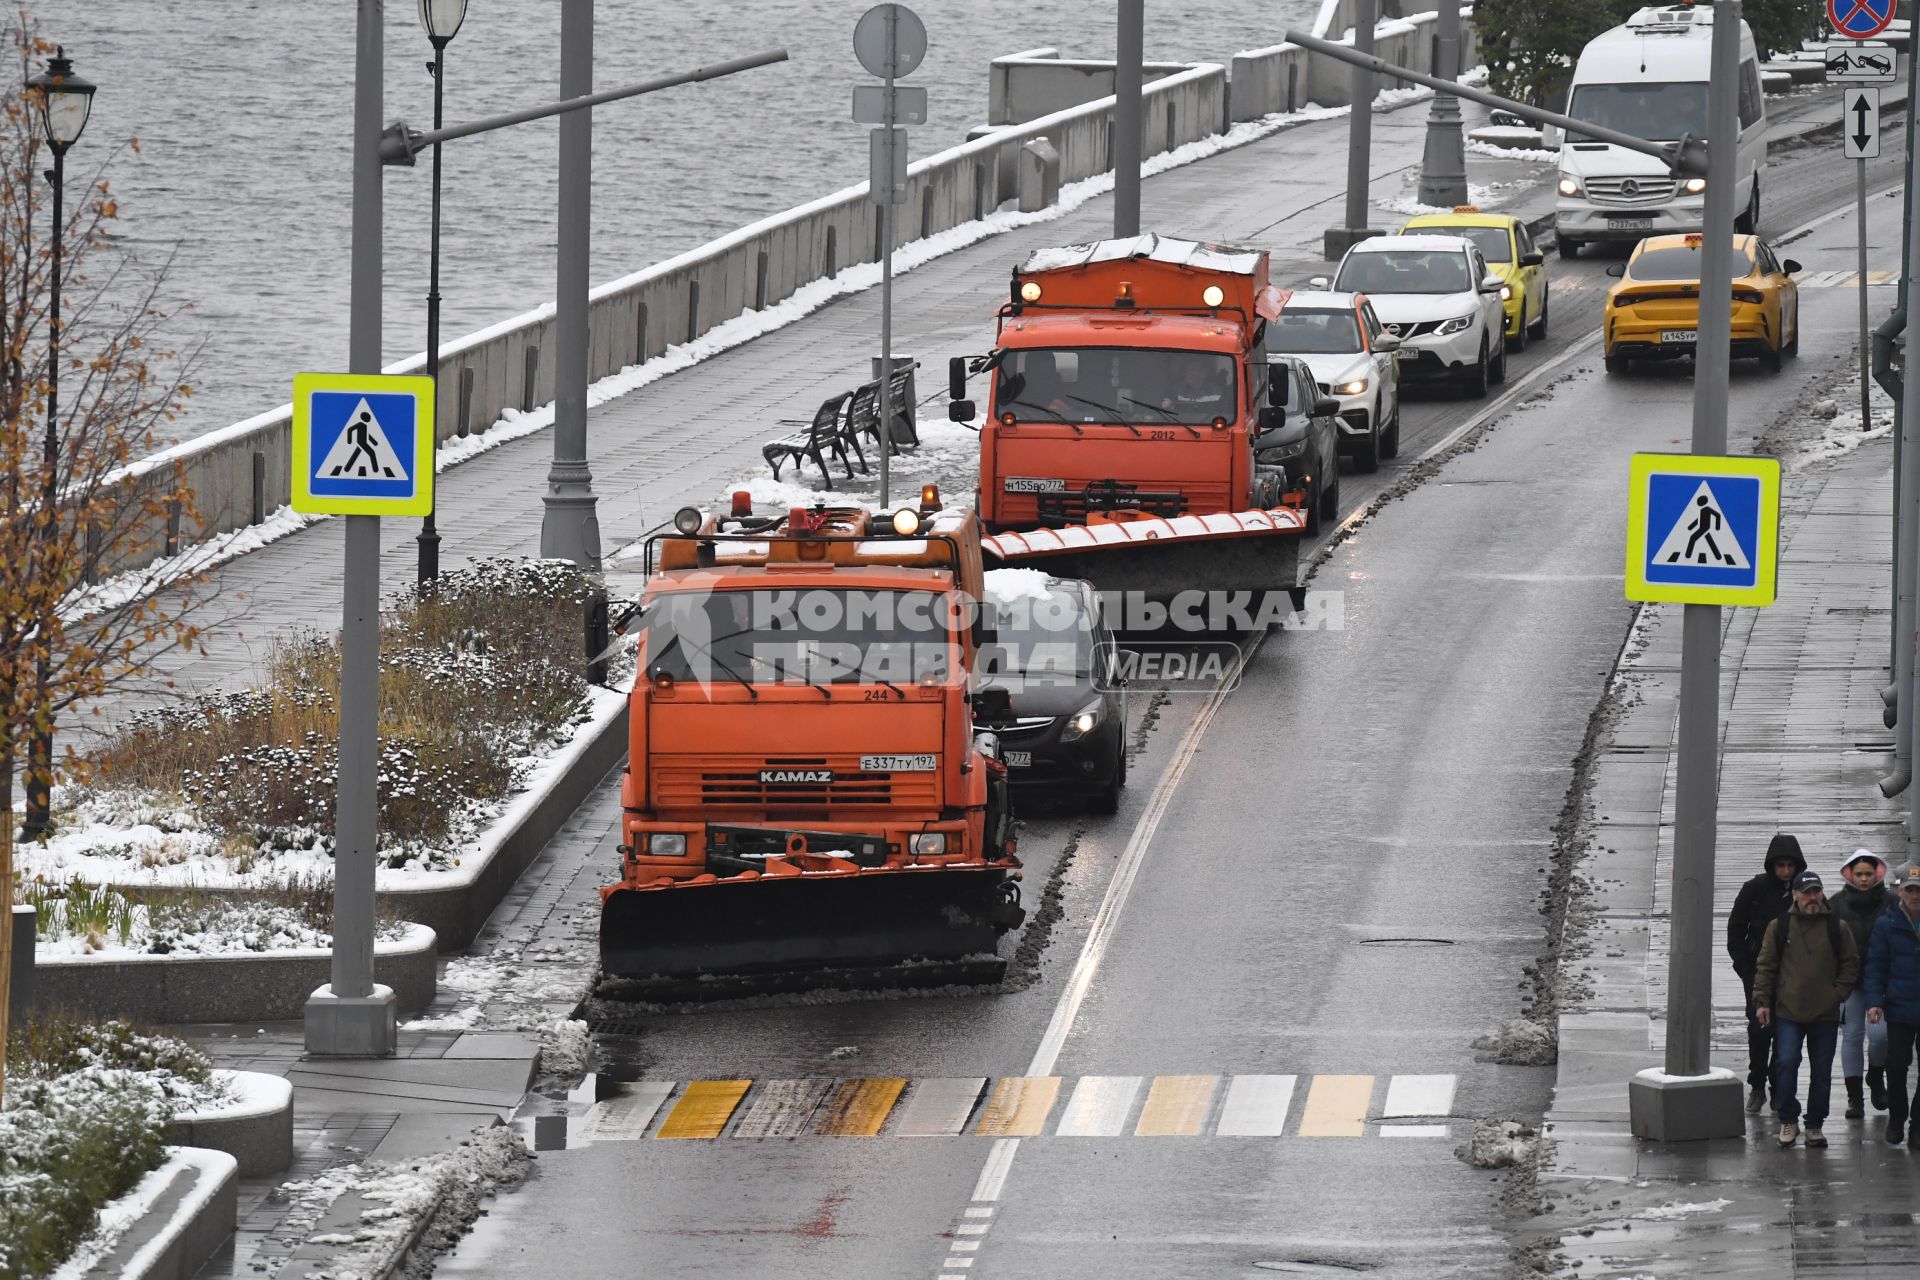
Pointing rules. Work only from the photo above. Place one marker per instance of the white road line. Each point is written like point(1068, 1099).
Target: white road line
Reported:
point(972, 1228)
point(993, 1175)
point(957, 1262)
point(1508, 397)
point(625, 1118)
point(939, 1108)
point(1256, 1107)
point(963, 1246)
point(1413, 1131)
point(980, 1211)
point(1419, 1096)
point(1099, 1107)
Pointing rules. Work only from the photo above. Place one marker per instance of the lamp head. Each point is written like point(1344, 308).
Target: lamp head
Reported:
point(441, 19)
point(65, 100)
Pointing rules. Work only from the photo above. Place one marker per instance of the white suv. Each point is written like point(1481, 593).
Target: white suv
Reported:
point(1435, 294)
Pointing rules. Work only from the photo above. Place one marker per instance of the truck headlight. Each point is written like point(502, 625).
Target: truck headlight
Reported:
point(1082, 722)
point(930, 845)
point(665, 844)
point(1354, 388)
point(1456, 325)
point(1694, 186)
point(1570, 185)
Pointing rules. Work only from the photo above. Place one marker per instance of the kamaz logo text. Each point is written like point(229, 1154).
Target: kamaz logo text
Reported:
point(796, 775)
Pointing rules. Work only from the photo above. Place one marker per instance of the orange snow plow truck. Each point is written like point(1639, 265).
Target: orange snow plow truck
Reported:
point(807, 801)
point(1129, 386)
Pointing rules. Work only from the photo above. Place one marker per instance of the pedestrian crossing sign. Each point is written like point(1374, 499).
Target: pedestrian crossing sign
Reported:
point(1703, 530)
point(362, 444)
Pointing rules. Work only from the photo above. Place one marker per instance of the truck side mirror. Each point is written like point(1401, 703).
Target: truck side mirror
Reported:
point(993, 706)
point(960, 411)
point(957, 378)
point(1277, 391)
point(1272, 418)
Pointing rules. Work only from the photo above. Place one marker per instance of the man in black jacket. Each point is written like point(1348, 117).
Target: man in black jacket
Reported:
point(1761, 901)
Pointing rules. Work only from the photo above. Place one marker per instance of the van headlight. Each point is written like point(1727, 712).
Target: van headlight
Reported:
point(665, 844)
point(1082, 722)
point(1694, 186)
point(930, 845)
point(1570, 185)
point(1458, 324)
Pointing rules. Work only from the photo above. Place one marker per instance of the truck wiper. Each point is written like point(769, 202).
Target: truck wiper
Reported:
point(677, 638)
point(1166, 413)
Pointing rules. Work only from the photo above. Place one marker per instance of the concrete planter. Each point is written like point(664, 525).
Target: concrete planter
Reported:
point(182, 1214)
point(257, 1130)
point(249, 987)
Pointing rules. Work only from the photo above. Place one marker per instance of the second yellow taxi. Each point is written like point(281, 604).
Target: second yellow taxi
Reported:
point(1511, 254)
point(1654, 310)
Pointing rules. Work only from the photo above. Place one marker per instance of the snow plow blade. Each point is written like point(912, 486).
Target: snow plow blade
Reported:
point(887, 927)
point(1237, 551)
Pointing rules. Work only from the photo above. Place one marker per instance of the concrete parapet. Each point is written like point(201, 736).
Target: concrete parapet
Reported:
point(1285, 77)
point(1039, 181)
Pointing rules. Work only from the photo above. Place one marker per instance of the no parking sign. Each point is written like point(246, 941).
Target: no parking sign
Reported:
point(1860, 19)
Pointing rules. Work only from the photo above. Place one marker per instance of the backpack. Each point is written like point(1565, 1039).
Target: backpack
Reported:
point(1780, 938)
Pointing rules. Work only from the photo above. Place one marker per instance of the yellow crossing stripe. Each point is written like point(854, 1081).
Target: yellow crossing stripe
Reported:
point(704, 1109)
point(1018, 1107)
point(1023, 1107)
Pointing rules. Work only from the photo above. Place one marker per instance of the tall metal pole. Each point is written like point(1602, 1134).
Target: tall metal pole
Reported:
point(1866, 331)
point(571, 528)
point(39, 814)
point(353, 1017)
point(886, 266)
point(1910, 526)
point(1697, 789)
point(1443, 166)
point(1128, 110)
point(429, 561)
point(1902, 486)
point(1360, 126)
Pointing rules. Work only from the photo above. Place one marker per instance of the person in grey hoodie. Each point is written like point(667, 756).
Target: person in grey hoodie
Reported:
point(1862, 897)
point(1760, 902)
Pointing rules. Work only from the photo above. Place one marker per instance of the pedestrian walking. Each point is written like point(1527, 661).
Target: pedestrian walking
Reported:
point(1863, 896)
point(1761, 901)
point(1808, 964)
point(1893, 996)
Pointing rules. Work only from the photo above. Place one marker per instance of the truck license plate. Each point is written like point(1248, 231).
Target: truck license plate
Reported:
point(1629, 224)
point(896, 764)
point(1034, 484)
point(1019, 759)
point(1676, 335)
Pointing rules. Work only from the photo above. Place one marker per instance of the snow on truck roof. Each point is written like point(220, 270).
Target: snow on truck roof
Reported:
point(1184, 253)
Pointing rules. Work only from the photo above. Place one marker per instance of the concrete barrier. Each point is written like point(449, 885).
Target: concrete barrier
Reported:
point(1285, 77)
point(256, 1130)
point(246, 987)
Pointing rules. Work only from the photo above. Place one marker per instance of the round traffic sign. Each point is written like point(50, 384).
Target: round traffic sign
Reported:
point(899, 55)
point(1860, 19)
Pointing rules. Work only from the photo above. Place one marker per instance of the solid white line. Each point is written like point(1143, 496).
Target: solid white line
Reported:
point(993, 1176)
point(1419, 1096)
point(1256, 1107)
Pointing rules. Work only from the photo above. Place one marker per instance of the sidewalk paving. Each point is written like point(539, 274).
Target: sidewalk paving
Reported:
point(1802, 747)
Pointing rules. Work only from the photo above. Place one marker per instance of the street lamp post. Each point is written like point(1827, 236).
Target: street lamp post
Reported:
point(441, 20)
point(65, 101)
point(1443, 166)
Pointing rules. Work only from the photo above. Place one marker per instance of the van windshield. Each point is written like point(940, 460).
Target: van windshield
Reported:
point(1657, 112)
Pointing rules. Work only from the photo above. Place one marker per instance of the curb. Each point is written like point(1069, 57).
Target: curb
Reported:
point(183, 1221)
point(258, 1134)
point(250, 987)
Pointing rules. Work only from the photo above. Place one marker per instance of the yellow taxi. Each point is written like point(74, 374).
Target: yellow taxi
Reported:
point(1508, 247)
point(1654, 310)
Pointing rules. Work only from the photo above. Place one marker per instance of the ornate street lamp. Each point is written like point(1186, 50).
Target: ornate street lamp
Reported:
point(65, 100)
point(441, 20)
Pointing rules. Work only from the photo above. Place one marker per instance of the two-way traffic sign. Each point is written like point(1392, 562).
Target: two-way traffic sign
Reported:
point(1703, 530)
point(1860, 127)
point(362, 444)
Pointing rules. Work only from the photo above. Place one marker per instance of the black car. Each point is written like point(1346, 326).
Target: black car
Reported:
point(1055, 656)
point(1307, 445)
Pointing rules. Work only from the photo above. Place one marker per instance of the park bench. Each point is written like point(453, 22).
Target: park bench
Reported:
point(863, 415)
point(828, 433)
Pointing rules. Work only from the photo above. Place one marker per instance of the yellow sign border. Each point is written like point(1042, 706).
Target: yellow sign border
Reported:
point(304, 500)
point(1766, 579)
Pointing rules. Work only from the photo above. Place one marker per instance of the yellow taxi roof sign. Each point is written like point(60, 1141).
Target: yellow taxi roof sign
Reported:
point(1466, 208)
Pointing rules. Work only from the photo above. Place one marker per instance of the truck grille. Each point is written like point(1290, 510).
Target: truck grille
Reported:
point(733, 782)
point(1630, 192)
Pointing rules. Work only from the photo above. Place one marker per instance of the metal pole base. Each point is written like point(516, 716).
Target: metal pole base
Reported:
point(428, 561)
point(352, 1026)
point(570, 526)
point(1340, 239)
point(1443, 166)
point(1667, 1108)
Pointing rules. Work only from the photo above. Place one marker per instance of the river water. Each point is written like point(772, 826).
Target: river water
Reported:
point(242, 110)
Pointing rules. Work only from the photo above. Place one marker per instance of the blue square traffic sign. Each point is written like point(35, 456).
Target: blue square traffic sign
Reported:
point(362, 444)
point(1703, 529)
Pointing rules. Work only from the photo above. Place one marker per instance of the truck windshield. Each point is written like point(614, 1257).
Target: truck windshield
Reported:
point(1680, 263)
point(1657, 112)
point(816, 636)
point(1405, 271)
point(1327, 331)
point(1117, 385)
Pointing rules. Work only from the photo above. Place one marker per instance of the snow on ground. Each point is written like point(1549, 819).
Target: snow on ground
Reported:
point(1485, 197)
point(1479, 146)
point(1670, 1212)
point(1842, 434)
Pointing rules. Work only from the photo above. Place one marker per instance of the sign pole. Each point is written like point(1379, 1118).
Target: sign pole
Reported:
point(352, 1016)
point(886, 261)
point(1866, 339)
point(1128, 110)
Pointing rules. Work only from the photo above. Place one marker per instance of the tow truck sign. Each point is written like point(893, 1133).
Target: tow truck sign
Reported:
point(1861, 62)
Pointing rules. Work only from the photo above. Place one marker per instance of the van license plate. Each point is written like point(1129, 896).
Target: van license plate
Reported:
point(1034, 484)
point(1629, 224)
point(896, 764)
point(1019, 759)
point(1668, 336)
